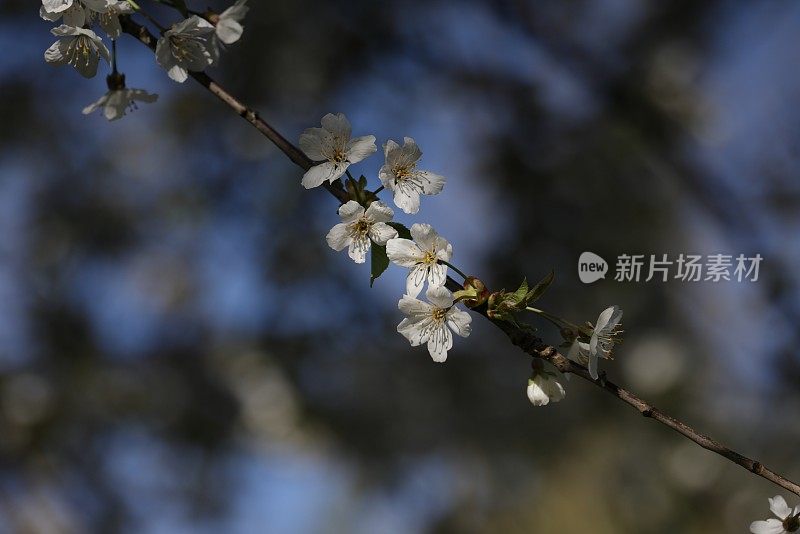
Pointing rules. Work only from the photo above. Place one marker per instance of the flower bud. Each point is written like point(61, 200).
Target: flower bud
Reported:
point(544, 388)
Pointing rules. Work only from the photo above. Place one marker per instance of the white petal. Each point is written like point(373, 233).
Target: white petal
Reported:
point(229, 31)
point(178, 73)
point(55, 54)
point(350, 211)
point(387, 177)
point(608, 319)
point(437, 275)
point(779, 507)
point(416, 279)
point(770, 526)
point(410, 153)
point(312, 143)
point(416, 333)
point(439, 296)
point(390, 150)
point(424, 235)
point(404, 252)
point(593, 365)
point(381, 233)
point(439, 342)
point(406, 197)
point(380, 212)
point(337, 124)
point(536, 394)
point(416, 309)
point(432, 184)
point(361, 148)
point(91, 108)
point(459, 321)
point(316, 175)
point(338, 238)
point(359, 248)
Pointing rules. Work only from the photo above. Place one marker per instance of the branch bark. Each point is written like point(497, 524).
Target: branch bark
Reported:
point(525, 340)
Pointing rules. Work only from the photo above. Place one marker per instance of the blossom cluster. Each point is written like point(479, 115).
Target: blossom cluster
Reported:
point(192, 44)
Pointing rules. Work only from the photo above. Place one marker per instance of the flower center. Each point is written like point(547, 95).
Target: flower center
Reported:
point(339, 155)
point(403, 173)
point(438, 315)
point(430, 258)
point(361, 227)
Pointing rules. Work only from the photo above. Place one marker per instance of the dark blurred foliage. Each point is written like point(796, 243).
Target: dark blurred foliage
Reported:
point(181, 352)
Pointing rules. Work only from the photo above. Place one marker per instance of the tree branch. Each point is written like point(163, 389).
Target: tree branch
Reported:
point(522, 338)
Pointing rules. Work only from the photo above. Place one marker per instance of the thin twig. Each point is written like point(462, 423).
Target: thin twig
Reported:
point(522, 338)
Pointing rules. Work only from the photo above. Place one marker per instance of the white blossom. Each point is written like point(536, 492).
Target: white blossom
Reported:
point(229, 27)
point(601, 342)
point(788, 519)
point(359, 228)
point(433, 323)
point(186, 47)
point(116, 102)
point(400, 175)
point(109, 19)
point(544, 388)
point(422, 256)
point(75, 13)
point(78, 47)
point(333, 146)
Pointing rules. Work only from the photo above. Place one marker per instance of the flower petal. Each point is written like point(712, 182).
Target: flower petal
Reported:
point(416, 309)
point(404, 252)
point(317, 174)
point(424, 235)
point(459, 321)
point(779, 507)
point(439, 296)
point(229, 30)
point(770, 526)
point(361, 148)
point(432, 184)
point(439, 342)
point(416, 333)
point(608, 319)
point(381, 233)
point(351, 211)
point(338, 237)
point(359, 247)
point(416, 279)
point(312, 143)
point(437, 275)
point(593, 365)
point(338, 125)
point(380, 212)
point(406, 197)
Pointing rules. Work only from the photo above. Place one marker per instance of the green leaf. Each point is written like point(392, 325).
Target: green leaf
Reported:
point(402, 231)
point(379, 262)
point(519, 295)
point(539, 289)
point(362, 182)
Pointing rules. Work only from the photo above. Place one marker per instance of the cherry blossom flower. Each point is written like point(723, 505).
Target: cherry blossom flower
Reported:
point(359, 228)
point(78, 47)
point(433, 323)
point(422, 256)
point(788, 519)
point(74, 13)
point(333, 146)
point(109, 19)
point(544, 387)
point(400, 175)
point(601, 342)
point(186, 47)
point(116, 102)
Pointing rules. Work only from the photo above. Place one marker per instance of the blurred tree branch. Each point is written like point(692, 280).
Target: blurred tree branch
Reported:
point(519, 336)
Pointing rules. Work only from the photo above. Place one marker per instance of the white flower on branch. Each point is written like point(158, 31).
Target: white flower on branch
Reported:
point(333, 146)
point(75, 13)
point(601, 343)
point(400, 175)
point(433, 323)
point(109, 19)
point(186, 47)
point(229, 27)
point(422, 256)
point(788, 519)
point(78, 47)
point(116, 102)
point(544, 388)
point(359, 228)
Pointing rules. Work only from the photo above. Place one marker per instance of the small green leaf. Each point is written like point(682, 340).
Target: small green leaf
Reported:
point(362, 182)
point(379, 262)
point(539, 289)
point(519, 295)
point(402, 231)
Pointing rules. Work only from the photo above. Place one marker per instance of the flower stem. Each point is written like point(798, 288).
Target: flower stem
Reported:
point(377, 190)
point(561, 323)
point(456, 269)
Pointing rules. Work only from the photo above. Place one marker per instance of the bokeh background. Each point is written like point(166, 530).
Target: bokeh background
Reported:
point(181, 352)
